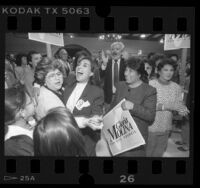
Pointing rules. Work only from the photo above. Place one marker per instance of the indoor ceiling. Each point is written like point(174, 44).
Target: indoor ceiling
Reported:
point(149, 37)
point(129, 36)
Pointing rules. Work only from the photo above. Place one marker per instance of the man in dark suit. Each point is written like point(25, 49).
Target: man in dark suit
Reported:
point(112, 70)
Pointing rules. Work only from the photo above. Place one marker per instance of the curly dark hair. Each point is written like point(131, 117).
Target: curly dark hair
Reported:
point(57, 54)
point(138, 65)
point(166, 61)
point(151, 63)
point(157, 57)
point(19, 57)
point(79, 55)
point(44, 67)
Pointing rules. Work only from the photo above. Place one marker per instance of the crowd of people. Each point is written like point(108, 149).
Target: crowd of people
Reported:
point(55, 106)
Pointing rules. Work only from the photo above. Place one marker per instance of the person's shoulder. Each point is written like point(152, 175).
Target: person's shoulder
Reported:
point(122, 84)
point(43, 90)
point(20, 145)
point(175, 85)
point(95, 89)
point(45, 94)
point(149, 88)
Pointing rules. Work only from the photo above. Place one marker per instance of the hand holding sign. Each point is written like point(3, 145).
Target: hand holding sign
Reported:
point(127, 105)
point(120, 129)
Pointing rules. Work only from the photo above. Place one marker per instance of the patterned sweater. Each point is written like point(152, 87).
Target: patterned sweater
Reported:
point(170, 95)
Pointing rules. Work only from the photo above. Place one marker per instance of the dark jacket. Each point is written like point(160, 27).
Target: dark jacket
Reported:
point(20, 145)
point(94, 95)
point(107, 75)
point(144, 98)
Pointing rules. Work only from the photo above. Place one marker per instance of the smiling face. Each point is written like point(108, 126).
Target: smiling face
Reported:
point(54, 80)
point(166, 72)
point(131, 76)
point(83, 70)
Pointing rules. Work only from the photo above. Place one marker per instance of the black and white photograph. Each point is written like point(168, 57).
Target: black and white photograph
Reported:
point(97, 94)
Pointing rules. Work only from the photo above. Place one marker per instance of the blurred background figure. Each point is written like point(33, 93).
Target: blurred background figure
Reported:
point(176, 76)
point(150, 69)
point(185, 123)
point(21, 66)
point(10, 76)
point(156, 59)
point(62, 56)
point(125, 55)
point(112, 70)
point(33, 58)
point(57, 134)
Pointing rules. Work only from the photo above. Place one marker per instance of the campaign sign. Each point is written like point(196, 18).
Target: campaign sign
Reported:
point(176, 41)
point(121, 131)
point(49, 38)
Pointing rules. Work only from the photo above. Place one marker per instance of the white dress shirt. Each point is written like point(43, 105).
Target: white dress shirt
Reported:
point(103, 67)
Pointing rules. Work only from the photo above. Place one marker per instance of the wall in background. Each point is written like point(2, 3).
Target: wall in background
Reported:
point(20, 43)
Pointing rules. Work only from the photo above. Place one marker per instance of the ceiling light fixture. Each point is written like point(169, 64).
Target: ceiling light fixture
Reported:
point(142, 36)
point(162, 40)
point(110, 37)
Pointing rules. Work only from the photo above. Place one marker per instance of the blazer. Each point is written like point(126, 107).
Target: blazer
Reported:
point(144, 98)
point(94, 97)
point(46, 101)
point(107, 75)
point(93, 94)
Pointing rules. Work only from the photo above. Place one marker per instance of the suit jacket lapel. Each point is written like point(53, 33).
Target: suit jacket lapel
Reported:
point(121, 70)
point(83, 95)
point(85, 91)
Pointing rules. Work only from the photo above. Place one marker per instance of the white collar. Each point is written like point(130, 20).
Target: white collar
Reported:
point(118, 61)
point(14, 130)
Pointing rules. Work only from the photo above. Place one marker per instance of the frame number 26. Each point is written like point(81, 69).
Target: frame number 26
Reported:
point(127, 179)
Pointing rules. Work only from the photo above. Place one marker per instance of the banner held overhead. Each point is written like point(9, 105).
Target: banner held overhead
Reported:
point(49, 38)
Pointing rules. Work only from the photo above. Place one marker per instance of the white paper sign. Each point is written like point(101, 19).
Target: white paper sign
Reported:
point(176, 41)
point(121, 131)
point(50, 38)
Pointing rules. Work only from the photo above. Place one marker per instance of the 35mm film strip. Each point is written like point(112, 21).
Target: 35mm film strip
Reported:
point(90, 20)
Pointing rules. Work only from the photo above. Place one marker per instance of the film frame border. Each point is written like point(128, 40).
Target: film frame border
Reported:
point(135, 170)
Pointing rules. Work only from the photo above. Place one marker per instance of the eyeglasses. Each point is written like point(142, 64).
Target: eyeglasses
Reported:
point(54, 75)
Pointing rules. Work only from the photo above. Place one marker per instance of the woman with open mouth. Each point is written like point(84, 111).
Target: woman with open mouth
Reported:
point(49, 74)
point(85, 101)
